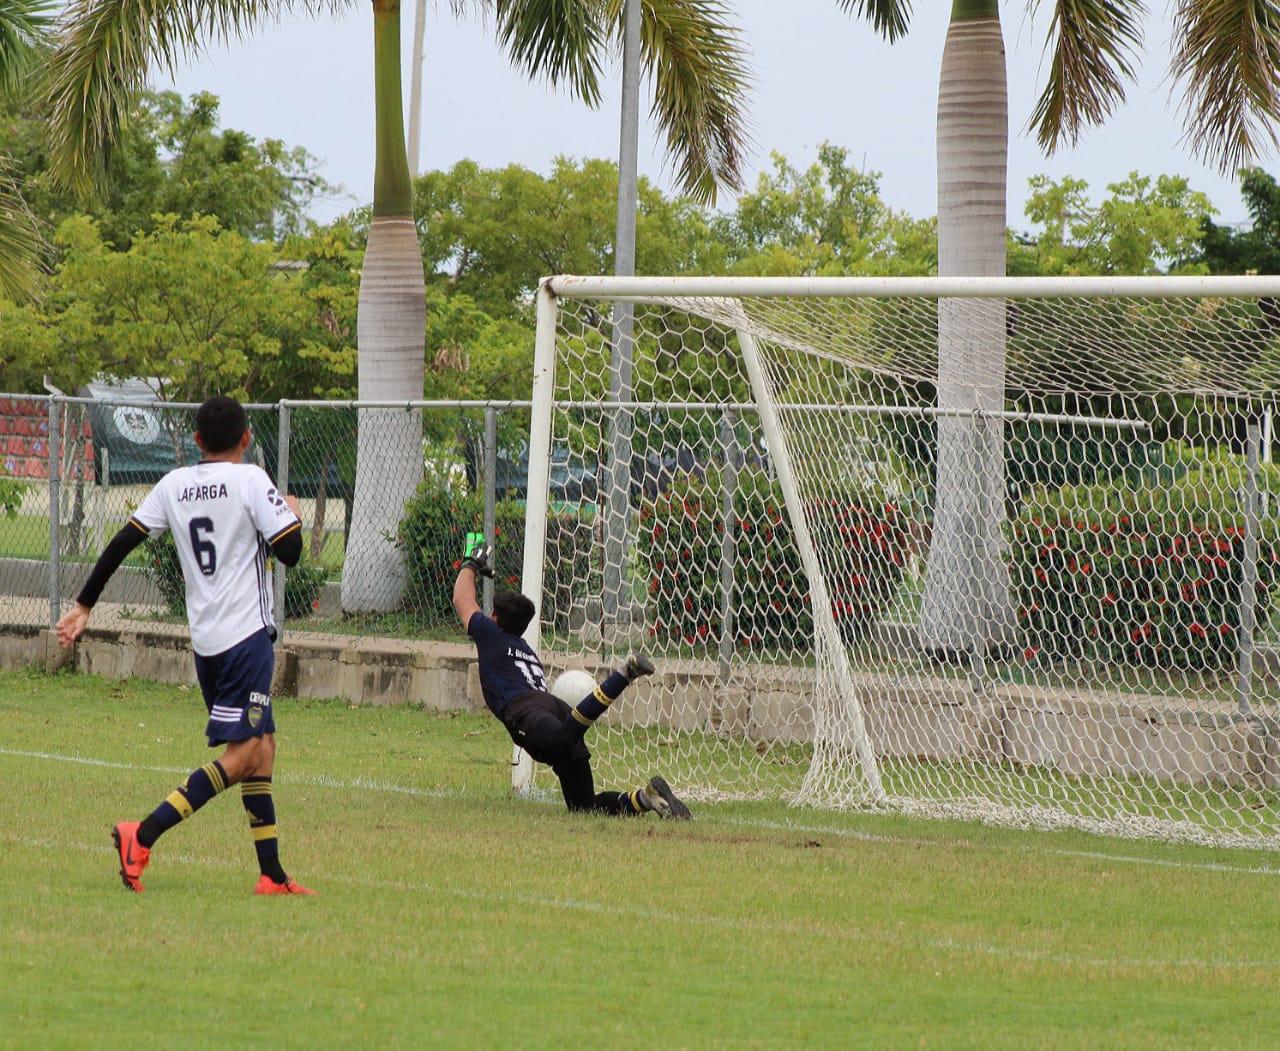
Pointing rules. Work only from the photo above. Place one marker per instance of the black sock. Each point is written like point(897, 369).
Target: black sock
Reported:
point(255, 793)
point(199, 787)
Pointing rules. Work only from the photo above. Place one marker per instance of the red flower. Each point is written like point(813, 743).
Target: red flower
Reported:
point(1197, 629)
point(1030, 652)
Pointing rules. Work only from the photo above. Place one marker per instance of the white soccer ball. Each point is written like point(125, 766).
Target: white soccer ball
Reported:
point(574, 685)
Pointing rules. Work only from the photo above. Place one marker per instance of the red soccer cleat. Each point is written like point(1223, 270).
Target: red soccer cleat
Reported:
point(133, 855)
point(266, 885)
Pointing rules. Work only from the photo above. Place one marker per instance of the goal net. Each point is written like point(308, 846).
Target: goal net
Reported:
point(997, 550)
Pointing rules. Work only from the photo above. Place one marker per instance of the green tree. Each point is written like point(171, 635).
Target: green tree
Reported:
point(494, 233)
point(24, 35)
point(1143, 226)
point(194, 307)
point(172, 159)
point(692, 53)
point(1256, 249)
point(826, 220)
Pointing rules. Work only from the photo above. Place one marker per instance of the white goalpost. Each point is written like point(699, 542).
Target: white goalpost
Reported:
point(881, 566)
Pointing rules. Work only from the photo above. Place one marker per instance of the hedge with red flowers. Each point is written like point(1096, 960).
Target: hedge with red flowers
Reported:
point(864, 544)
point(1143, 576)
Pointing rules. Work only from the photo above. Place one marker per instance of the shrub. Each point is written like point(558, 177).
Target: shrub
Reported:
point(302, 586)
point(863, 543)
point(1149, 577)
point(12, 493)
point(433, 537)
point(165, 571)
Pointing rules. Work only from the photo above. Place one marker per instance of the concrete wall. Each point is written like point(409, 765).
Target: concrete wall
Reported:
point(1169, 738)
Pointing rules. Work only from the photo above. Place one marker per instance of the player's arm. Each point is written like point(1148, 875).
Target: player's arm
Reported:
point(286, 545)
point(150, 518)
point(476, 564)
point(276, 516)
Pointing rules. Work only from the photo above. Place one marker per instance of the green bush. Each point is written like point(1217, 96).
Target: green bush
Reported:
point(863, 540)
point(12, 493)
point(302, 586)
point(1149, 577)
point(162, 567)
point(433, 537)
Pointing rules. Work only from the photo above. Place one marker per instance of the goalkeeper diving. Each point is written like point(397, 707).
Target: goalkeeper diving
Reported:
point(515, 690)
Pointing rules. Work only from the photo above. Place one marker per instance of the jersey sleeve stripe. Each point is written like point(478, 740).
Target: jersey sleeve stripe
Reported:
point(285, 531)
point(134, 522)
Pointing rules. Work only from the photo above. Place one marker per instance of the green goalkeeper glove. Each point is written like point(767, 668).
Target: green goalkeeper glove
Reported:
point(479, 556)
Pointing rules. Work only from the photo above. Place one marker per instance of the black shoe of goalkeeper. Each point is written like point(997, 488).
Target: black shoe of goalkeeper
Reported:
point(638, 666)
point(657, 797)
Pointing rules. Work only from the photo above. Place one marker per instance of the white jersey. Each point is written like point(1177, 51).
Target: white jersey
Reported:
point(223, 516)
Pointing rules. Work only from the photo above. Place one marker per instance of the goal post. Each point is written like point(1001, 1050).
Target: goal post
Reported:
point(878, 568)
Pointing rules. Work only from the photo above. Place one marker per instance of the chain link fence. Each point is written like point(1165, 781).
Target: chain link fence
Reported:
point(94, 460)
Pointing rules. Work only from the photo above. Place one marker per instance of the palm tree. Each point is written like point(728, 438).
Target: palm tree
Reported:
point(24, 33)
point(693, 55)
point(1226, 53)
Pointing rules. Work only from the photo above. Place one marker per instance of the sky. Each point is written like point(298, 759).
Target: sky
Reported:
point(820, 75)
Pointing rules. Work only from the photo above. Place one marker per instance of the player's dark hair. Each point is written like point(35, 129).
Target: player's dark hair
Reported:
point(512, 611)
point(221, 423)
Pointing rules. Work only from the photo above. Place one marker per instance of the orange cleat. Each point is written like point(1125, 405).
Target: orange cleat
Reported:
point(266, 885)
point(133, 855)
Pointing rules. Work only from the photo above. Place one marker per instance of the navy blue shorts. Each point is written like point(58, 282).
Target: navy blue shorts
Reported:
point(237, 690)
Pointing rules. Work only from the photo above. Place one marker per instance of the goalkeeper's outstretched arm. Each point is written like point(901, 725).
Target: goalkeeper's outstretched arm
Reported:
point(476, 564)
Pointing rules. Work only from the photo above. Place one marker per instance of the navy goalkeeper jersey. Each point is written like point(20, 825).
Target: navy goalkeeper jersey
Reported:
point(508, 665)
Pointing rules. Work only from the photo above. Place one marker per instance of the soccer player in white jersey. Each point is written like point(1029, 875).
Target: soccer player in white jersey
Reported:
point(224, 515)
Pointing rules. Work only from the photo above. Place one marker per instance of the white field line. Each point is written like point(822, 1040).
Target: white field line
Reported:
point(372, 785)
point(845, 934)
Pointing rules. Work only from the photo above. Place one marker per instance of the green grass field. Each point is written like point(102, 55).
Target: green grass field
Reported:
point(451, 915)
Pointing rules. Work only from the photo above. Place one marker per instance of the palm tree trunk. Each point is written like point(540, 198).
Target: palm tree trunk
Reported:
point(390, 336)
point(967, 604)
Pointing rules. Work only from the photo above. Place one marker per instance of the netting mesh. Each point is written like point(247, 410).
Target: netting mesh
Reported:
point(1033, 586)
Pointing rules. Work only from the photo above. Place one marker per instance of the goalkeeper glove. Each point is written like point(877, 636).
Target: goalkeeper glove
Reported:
point(479, 555)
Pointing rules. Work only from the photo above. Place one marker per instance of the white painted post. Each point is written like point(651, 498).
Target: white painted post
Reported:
point(415, 88)
point(821, 601)
point(535, 508)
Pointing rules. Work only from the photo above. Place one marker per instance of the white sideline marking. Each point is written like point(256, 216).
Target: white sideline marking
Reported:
point(372, 785)
point(319, 780)
point(702, 919)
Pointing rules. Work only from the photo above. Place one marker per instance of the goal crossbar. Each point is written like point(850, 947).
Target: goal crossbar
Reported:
point(640, 289)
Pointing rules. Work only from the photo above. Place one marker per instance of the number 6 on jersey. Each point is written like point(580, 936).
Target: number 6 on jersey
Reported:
point(206, 554)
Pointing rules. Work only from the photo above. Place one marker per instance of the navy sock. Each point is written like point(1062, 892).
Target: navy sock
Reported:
point(199, 787)
point(591, 708)
point(255, 793)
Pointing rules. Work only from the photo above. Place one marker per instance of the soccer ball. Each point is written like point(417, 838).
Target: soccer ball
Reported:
point(574, 685)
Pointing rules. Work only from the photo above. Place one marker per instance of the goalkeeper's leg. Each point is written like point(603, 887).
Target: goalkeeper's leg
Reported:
point(591, 707)
point(578, 787)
